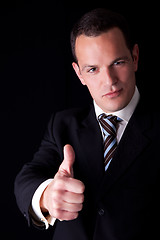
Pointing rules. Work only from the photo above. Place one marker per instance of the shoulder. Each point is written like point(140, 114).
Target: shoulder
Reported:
point(147, 117)
point(74, 113)
point(71, 116)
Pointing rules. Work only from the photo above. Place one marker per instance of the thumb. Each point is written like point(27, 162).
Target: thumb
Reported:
point(66, 167)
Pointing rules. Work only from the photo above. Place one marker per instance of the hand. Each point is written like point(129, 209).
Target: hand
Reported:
point(63, 197)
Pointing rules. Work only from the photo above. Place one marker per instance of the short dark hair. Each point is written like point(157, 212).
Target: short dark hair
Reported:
point(98, 21)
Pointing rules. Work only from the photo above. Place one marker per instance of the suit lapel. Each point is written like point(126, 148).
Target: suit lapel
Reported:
point(132, 144)
point(91, 149)
point(90, 152)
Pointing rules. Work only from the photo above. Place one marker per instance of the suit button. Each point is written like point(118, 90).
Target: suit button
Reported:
point(101, 212)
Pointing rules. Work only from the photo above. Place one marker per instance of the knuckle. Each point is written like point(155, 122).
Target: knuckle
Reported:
point(56, 194)
point(81, 187)
point(75, 215)
point(81, 199)
point(64, 215)
point(70, 216)
point(80, 207)
point(59, 183)
point(76, 208)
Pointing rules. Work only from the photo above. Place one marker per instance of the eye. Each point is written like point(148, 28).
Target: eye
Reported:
point(119, 63)
point(92, 70)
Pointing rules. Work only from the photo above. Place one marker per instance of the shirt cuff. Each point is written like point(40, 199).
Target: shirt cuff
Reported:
point(48, 220)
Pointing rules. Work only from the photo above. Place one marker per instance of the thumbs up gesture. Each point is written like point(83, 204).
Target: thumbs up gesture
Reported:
point(63, 197)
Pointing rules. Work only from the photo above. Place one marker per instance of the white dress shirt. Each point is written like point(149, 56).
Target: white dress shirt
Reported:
point(125, 114)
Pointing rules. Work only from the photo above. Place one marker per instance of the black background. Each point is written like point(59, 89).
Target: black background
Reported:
point(36, 79)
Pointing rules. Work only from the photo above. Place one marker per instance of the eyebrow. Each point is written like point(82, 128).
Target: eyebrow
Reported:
point(114, 61)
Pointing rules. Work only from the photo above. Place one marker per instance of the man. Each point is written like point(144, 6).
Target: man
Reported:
point(88, 183)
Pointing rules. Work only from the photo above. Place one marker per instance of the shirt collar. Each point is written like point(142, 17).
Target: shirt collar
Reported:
point(125, 113)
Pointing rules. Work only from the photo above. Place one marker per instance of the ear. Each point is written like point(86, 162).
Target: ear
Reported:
point(77, 70)
point(135, 55)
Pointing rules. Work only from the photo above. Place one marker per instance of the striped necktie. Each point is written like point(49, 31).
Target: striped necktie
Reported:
point(109, 127)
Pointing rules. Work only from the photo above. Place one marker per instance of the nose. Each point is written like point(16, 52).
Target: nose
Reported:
point(109, 77)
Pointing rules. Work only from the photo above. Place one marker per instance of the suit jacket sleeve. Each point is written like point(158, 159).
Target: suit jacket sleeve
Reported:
point(43, 166)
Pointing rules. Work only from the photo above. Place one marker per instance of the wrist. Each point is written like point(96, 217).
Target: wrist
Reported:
point(42, 203)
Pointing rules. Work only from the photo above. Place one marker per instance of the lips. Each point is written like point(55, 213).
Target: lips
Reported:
point(113, 94)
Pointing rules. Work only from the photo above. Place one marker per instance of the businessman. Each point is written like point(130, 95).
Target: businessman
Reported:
point(96, 174)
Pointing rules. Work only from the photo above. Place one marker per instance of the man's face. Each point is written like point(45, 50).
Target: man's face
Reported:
point(107, 68)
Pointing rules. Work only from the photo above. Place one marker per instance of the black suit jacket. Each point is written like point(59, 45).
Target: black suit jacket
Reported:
point(121, 203)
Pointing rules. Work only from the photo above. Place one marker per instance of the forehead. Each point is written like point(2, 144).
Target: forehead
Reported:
point(109, 44)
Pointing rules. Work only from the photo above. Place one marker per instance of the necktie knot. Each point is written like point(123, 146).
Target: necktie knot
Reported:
point(109, 124)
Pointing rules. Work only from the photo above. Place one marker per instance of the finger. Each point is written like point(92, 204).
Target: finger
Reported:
point(69, 184)
point(69, 197)
point(69, 207)
point(64, 215)
point(66, 168)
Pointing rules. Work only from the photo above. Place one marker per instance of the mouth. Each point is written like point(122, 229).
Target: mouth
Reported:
point(113, 94)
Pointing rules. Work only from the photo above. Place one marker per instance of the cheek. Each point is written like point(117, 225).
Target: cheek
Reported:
point(129, 85)
point(93, 88)
point(127, 76)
